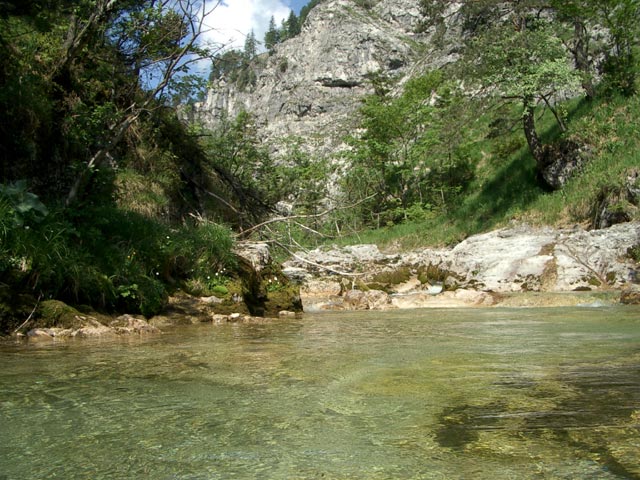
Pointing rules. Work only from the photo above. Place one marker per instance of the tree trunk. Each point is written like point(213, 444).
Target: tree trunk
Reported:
point(529, 125)
point(581, 56)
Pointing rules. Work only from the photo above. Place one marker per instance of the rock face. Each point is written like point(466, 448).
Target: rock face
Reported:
point(311, 85)
point(617, 205)
point(475, 272)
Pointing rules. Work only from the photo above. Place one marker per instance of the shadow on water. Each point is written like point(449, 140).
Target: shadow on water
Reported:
point(599, 411)
point(459, 426)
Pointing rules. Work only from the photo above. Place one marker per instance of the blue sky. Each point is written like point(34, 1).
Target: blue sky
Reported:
point(296, 5)
point(232, 20)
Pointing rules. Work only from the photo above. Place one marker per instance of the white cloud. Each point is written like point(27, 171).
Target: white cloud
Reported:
point(232, 20)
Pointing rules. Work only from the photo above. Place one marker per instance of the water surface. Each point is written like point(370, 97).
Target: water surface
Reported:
point(429, 394)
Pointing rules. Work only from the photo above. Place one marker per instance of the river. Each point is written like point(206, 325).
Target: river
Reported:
point(426, 394)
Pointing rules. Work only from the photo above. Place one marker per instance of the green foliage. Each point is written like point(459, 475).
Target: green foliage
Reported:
point(18, 205)
point(404, 164)
point(290, 27)
point(293, 25)
point(272, 36)
point(610, 126)
point(236, 149)
point(505, 189)
point(527, 65)
point(622, 19)
point(102, 256)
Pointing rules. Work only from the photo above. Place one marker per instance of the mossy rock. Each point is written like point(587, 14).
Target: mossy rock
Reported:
point(594, 282)
point(377, 286)
point(287, 298)
point(220, 290)
point(54, 313)
point(433, 273)
point(392, 277)
point(229, 306)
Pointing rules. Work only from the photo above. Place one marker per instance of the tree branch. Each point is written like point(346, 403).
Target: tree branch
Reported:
point(315, 215)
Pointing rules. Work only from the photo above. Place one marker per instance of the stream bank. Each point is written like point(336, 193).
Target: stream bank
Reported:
point(519, 265)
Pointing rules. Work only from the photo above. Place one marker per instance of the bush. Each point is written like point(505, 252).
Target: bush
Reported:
point(105, 257)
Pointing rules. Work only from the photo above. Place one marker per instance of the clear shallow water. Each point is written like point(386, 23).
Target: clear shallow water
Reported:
point(446, 394)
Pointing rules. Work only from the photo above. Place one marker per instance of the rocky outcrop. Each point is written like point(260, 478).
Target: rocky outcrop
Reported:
point(618, 204)
point(563, 161)
point(480, 271)
point(311, 85)
point(86, 326)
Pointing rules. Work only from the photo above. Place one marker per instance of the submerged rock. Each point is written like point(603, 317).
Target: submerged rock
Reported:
point(127, 324)
point(67, 322)
point(631, 295)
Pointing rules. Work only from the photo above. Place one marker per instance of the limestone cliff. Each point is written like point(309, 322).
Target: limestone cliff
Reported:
point(312, 84)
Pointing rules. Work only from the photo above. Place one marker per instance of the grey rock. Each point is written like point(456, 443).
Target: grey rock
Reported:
point(256, 254)
point(312, 84)
point(129, 324)
point(48, 333)
point(519, 258)
point(566, 160)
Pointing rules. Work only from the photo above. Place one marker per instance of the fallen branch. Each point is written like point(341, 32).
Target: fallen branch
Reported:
point(30, 315)
point(304, 260)
point(305, 216)
point(600, 275)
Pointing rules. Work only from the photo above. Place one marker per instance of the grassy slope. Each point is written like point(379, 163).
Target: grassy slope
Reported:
point(505, 188)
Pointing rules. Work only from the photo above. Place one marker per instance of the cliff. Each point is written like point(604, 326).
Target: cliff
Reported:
point(312, 84)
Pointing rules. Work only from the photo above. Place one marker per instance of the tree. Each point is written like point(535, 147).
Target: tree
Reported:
point(227, 65)
point(404, 153)
point(272, 36)
point(160, 41)
point(237, 66)
point(616, 23)
point(580, 17)
point(250, 46)
point(524, 62)
point(293, 25)
point(248, 172)
point(622, 20)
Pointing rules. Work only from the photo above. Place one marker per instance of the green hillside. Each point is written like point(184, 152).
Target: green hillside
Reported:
point(504, 188)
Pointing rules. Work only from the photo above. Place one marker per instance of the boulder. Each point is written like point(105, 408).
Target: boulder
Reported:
point(48, 333)
point(456, 299)
point(256, 254)
point(366, 300)
point(564, 160)
point(128, 324)
point(93, 329)
point(630, 295)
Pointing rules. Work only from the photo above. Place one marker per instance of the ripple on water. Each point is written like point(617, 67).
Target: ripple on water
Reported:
point(551, 393)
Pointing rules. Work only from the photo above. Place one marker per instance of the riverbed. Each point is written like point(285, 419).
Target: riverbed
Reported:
point(526, 393)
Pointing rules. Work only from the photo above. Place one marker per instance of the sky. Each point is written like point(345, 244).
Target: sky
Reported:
point(232, 20)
